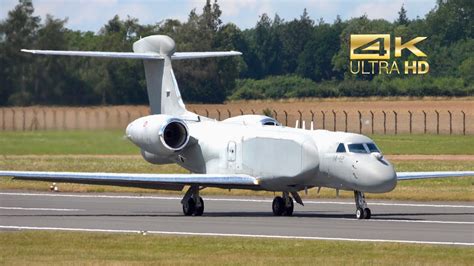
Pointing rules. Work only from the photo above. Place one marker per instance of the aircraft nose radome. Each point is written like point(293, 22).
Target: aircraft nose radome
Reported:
point(379, 177)
point(385, 176)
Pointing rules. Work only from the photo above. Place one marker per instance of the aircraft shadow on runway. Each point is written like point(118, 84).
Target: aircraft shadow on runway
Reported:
point(381, 216)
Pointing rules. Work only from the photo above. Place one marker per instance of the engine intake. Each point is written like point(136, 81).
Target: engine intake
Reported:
point(174, 135)
point(159, 134)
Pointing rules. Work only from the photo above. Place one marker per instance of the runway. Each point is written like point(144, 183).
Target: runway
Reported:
point(404, 222)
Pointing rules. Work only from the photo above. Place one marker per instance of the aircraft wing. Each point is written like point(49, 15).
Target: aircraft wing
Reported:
point(424, 175)
point(158, 181)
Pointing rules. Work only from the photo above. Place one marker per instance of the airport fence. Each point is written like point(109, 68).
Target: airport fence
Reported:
point(360, 121)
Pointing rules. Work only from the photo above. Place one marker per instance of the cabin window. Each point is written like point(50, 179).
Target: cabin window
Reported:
point(372, 147)
point(341, 148)
point(357, 148)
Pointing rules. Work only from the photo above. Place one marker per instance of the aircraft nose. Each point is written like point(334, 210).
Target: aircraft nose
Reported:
point(377, 176)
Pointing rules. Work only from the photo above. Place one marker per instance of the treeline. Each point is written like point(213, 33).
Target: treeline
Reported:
point(281, 59)
point(293, 86)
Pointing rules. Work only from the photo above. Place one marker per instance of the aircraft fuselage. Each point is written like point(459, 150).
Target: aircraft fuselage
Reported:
point(283, 158)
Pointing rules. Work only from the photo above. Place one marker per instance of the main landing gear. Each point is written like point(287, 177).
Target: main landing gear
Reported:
point(283, 206)
point(362, 212)
point(192, 202)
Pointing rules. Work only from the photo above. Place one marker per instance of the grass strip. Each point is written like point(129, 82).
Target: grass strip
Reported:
point(113, 142)
point(65, 248)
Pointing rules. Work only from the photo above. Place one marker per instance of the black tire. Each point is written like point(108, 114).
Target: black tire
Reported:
point(278, 206)
point(360, 214)
point(289, 210)
point(368, 213)
point(199, 210)
point(189, 207)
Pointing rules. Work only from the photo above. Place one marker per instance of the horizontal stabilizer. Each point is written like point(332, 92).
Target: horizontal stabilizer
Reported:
point(131, 55)
point(125, 55)
point(138, 180)
point(440, 174)
point(197, 55)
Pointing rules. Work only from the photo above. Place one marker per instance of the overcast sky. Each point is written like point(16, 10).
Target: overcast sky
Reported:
point(91, 15)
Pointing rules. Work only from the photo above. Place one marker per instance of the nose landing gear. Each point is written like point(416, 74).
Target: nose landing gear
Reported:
point(362, 211)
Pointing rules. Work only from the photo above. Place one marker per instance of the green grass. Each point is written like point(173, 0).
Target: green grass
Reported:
point(113, 142)
point(456, 189)
point(66, 142)
point(425, 144)
point(65, 248)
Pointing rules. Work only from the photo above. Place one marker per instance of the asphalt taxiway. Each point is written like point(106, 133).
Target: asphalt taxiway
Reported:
point(404, 222)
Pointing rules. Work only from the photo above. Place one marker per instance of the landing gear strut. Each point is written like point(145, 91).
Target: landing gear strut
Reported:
point(362, 212)
point(283, 205)
point(192, 202)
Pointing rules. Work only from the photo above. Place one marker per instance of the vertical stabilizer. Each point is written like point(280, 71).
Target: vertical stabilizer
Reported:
point(163, 91)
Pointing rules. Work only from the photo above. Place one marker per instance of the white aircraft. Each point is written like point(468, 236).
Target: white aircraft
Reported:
point(245, 152)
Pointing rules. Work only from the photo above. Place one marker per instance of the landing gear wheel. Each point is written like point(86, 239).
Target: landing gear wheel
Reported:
point(199, 210)
point(360, 214)
point(189, 207)
point(368, 213)
point(289, 209)
point(278, 206)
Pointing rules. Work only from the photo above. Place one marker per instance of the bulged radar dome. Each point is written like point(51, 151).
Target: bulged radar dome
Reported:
point(161, 44)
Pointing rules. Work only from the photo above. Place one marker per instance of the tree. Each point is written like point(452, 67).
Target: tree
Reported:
point(201, 80)
point(451, 21)
point(121, 80)
point(18, 31)
point(295, 36)
point(402, 17)
point(315, 60)
point(466, 70)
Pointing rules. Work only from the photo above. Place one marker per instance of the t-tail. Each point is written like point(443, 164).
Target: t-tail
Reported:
point(157, 53)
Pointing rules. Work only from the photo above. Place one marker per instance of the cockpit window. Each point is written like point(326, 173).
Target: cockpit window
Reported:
point(341, 148)
point(372, 147)
point(270, 123)
point(357, 148)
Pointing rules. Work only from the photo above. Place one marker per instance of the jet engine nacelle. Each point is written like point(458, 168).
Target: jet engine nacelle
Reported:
point(154, 158)
point(159, 134)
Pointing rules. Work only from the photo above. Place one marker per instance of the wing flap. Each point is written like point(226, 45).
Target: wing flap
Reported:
point(165, 181)
point(425, 175)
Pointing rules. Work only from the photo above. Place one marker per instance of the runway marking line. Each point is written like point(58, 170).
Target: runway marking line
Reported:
point(237, 200)
point(40, 209)
point(234, 235)
point(407, 221)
